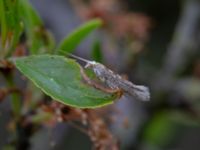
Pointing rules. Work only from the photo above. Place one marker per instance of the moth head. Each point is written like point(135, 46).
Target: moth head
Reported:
point(90, 64)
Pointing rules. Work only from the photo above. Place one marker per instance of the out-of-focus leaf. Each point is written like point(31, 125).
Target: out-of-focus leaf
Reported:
point(167, 126)
point(3, 23)
point(39, 39)
point(11, 25)
point(96, 52)
point(41, 117)
point(8, 147)
point(60, 78)
point(74, 38)
point(161, 130)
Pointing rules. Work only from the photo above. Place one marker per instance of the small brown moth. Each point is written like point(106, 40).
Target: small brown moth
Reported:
point(115, 81)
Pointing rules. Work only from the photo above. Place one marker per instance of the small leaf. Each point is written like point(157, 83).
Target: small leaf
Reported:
point(60, 78)
point(74, 38)
point(96, 52)
point(39, 39)
point(11, 26)
point(161, 129)
point(4, 28)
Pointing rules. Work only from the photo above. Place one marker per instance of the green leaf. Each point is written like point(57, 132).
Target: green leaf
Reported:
point(11, 26)
point(73, 39)
point(38, 38)
point(60, 78)
point(4, 28)
point(96, 52)
point(161, 129)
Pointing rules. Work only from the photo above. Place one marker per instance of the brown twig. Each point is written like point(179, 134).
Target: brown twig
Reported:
point(90, 123)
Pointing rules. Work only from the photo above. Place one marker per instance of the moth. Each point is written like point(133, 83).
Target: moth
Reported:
point(116, 82)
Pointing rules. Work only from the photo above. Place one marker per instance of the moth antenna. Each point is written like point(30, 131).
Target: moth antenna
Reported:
point(79, 58)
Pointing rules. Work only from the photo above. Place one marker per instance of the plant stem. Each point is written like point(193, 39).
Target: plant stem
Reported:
point(15, 98)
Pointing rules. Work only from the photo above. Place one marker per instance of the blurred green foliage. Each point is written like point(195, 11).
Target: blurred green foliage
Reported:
point(96, 53)
point(70, 43)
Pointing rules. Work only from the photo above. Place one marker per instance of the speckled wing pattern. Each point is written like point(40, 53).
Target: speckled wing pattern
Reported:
point(115, 81)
